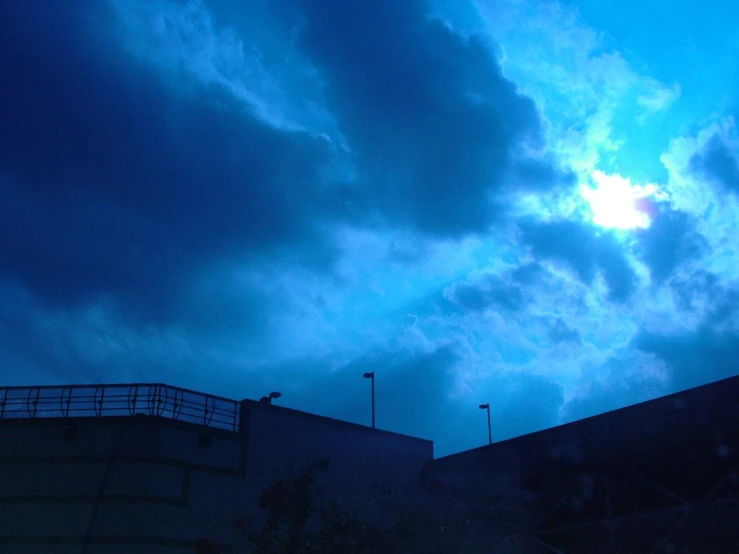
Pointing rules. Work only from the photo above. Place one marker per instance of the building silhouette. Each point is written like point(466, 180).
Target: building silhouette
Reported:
point(151, 468)
point(657, 477)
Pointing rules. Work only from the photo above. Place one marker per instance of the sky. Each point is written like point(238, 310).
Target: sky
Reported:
point(527, 203)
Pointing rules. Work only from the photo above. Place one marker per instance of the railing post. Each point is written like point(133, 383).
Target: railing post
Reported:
point(244, 432)
point(62, 401)
point(102, 400)
point(33, 403)
point(155, 399)
point(132, 399)
point(178, 399)
point(97, 403)
point(208, 409)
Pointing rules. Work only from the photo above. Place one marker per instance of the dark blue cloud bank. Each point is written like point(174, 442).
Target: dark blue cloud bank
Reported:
point(287, 194)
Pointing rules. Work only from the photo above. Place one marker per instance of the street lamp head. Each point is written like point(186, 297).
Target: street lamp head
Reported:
point(371, 375)
point(484, 406)
point(268, 399)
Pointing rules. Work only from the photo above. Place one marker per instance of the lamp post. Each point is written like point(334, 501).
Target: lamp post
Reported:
point(272, 396)
point(371, 375)
point(490, 432)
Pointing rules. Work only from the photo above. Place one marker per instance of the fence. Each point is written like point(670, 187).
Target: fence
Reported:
point(119, 400)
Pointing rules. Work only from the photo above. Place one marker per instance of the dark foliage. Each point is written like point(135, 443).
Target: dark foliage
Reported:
point(301, 518)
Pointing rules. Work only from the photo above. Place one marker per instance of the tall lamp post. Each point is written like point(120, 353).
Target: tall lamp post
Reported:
point(490, 431)
point(272, 396)
point(371, 375)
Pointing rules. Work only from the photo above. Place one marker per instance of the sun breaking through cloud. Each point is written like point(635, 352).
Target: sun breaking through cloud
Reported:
point(615, 202)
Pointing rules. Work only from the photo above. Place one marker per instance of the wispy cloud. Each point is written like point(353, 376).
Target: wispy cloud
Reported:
point(578, 76)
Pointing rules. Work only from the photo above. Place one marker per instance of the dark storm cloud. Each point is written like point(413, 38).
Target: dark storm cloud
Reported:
point(530, 274)
point(703, 294)
point(411, 389)
point(520, 403)
point(690, 290)
point(434, 126)
point(133, 199)
point(44, 345)
point(586, 250)
point(709, 352)
point(695, 358)
point(560, 332)
point(529, 403)
point(669, 241)
point(509, 291)
point(413, 397)
point(112, 181)
point(618, 386)
point(29, 354)
point(492, 293)
point(119, 180)
point(718, 164)
point(540, 175)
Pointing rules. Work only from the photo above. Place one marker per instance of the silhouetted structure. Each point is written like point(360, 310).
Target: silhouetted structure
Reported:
point(270, 397)
point(149, 468)
point(657, 477)
point(152, 468)
point(371, 375)
point(486, 407)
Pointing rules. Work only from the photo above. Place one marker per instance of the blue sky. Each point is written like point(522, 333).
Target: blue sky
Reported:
point(520, 202)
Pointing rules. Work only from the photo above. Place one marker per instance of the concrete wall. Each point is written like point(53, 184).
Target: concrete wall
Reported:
point(628, 462)
point(146, 484)
point(359, 457)
point(138, 484)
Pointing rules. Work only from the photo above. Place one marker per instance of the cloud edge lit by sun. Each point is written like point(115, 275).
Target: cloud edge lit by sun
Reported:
point(614, 202)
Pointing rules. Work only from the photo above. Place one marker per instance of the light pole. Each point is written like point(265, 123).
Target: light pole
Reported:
point(272, 396)
point(371, 375)
point(490, 431)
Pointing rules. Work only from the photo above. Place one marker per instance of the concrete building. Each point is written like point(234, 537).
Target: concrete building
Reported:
point(658, 477)
point(152, 468)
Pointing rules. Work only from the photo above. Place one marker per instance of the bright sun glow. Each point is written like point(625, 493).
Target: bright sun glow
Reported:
point(614, 201)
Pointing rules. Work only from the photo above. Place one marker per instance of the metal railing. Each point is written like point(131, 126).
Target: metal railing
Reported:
point(154, 399)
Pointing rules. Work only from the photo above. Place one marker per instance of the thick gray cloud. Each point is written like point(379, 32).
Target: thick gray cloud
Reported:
point(586, 250)
point(694, 358)
point(560, 332)
point(44, 344)
point(510, 291)
point(706, 352)
point(713, 301)
point(431, 121)
point(414, 396)
point(283, 195)
point(530, 402)
point(669, 241)
point(717, 163)
point(493, 292)
point(118, 179)
point(612, 394)
point(693, 289)
point(114, 181)
point(410, 388)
